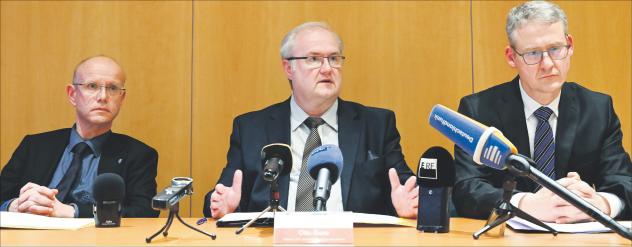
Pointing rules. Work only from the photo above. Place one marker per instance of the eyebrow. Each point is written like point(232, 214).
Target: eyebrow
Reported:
point(529, 49)
point(322, 54)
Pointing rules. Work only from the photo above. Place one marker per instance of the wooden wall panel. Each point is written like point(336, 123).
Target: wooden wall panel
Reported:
point(602, 57)
point(406, 56)
point(41, 42)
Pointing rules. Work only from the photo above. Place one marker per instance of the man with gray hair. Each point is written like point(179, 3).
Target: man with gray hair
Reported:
point(374, 166)
point(571, 132)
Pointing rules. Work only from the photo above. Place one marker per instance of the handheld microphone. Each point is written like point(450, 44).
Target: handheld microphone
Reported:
point(108, 191)
point(486, 145)
point(324, 164)
point(276, 159)
point(489, 147)
point(435, 177)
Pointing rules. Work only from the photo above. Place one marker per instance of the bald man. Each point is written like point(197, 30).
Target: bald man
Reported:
point(52, 173)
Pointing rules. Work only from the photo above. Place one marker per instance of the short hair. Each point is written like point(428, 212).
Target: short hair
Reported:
point(288, 41)
point(538, 11)
point(75, 73)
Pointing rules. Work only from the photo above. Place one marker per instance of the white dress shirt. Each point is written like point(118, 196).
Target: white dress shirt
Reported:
point(299, 132)
point(530, 106)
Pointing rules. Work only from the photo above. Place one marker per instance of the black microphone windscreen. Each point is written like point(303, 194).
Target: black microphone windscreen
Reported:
point(278, 150)
point(436, 168)
point(108, 187)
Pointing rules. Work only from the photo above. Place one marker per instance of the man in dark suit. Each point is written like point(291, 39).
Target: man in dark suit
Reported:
point(374, 165)
point(52, 173)
point(572, 133)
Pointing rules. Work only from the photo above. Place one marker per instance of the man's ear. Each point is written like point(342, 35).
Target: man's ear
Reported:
point(571, 48)
point(510, 56)
point(287, 68)
point(71, 91)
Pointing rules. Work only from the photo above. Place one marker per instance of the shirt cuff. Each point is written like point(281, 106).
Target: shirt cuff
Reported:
point(5, 205)
point(516, 198)
point(616, 204)
point(76, 209)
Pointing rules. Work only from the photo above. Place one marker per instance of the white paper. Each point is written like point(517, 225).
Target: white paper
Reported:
point(358, 218)
point(31, 221)
point(586, 227)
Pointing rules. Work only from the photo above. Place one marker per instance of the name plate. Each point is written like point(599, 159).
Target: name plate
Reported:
point(313, 228)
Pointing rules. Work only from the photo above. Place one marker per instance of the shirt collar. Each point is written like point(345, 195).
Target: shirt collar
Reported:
point(298, 116)
point(530, 105)
point(96, 143)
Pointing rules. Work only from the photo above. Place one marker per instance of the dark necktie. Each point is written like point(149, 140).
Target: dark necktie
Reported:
point(304, 196)
point(544, 143)
point(70, 179)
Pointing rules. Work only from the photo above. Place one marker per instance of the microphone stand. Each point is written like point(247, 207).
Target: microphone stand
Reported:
point(173, 211)
point(272, 205)
point(522, 166)
point(505, 211)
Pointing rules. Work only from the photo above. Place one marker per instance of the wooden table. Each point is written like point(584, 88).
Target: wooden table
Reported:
point(134, 232)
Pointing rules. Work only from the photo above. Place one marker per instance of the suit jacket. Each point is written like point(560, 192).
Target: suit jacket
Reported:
point(364, 178)
point(587, 141)
point(37, 157)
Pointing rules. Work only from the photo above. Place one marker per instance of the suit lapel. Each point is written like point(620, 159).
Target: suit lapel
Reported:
point(112, 156)
point(53, 155)
point(278, 130)
point(566, 125)
point(511, 111)
point(349, 131)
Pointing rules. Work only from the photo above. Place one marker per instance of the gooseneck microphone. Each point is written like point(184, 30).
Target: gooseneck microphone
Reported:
point(108, 191)
point(324, 164)
point(435, 177)
point(276, 159)
point(490, 148)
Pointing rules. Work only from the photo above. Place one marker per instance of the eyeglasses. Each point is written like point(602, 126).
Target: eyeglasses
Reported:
point(535, 57)
point(335, 61)
point(92, 88)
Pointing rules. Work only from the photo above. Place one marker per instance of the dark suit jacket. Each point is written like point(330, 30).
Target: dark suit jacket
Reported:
point(364, 178)
point(587, 141)
point(37, 157)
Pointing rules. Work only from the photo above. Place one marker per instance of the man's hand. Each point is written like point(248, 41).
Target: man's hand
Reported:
point(571, 214)
point(548, 207)
point(40, 200)
point(404, 197)
point(224, 199)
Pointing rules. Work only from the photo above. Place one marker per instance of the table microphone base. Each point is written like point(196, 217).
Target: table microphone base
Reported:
point(173, 212)
point(505, 211)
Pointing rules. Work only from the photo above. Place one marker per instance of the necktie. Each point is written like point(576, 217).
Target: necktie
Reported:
point(68, 182)
point(544, 143)
point(304, 196)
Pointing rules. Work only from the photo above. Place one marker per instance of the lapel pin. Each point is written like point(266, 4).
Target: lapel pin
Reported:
point(120, 160)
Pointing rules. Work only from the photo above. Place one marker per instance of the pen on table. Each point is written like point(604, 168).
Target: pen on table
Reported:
point(201, 221)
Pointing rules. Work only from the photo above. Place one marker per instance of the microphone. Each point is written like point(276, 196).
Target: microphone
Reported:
point(276, 159)
point(171, 196)
point(489, 147)
point(435, 177)
point(108, 191)
point(324, 164)
point(486, 145)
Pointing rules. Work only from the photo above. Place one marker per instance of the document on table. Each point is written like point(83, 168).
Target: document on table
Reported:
point(238, 219)
point(520, 224)
point(31, 221)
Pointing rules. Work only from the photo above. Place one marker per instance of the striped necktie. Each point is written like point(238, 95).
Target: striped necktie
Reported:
point(544, 143)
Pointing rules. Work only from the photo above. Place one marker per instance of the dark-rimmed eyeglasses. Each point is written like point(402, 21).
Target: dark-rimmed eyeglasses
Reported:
point(535, 57)
point(335, 61)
